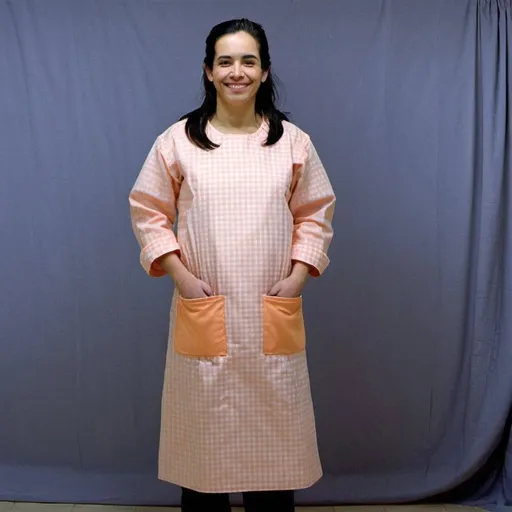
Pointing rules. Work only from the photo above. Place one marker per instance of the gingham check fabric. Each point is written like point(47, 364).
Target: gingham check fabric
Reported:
point(243, 422)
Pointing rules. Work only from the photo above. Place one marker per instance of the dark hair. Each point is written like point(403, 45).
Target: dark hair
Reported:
point(265, 97)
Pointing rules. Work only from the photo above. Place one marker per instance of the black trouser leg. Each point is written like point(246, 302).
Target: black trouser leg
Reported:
point(193, 501)
point(269, 501)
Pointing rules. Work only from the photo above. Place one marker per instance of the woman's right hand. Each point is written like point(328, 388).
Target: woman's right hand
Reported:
point(190, 287)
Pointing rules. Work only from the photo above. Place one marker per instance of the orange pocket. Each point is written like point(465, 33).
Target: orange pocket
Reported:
point(200, 328)
point(283, 326)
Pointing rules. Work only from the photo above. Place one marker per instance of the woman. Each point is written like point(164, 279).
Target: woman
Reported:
point(255, 208)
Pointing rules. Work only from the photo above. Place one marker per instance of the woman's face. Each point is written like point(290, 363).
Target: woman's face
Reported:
point(237, 73)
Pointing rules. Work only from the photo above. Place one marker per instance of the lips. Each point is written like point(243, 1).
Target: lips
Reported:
point(237, 87)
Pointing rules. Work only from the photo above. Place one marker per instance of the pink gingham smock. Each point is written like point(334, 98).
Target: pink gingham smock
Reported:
point(242, 421)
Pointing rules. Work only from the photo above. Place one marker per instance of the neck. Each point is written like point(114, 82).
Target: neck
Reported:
point(244, 117)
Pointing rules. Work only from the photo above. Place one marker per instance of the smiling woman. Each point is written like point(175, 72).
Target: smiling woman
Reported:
point(236, 75)
point(239, 88)
point(255, 210)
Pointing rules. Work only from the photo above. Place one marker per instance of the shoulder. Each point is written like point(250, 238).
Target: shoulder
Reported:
point(295, 134)
point(173, 133)
point(298, 140)
point(172, 137)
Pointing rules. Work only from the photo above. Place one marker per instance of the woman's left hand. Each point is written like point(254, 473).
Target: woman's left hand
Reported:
point(293, 285)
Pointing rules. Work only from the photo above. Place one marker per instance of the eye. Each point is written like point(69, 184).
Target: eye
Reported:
point(224, 63)
point(250, 63)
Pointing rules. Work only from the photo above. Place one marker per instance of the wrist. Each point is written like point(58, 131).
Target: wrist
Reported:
point(174, 267)
point(300, 270)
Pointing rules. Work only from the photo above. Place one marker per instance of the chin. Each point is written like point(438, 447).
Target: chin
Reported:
point(230, 100)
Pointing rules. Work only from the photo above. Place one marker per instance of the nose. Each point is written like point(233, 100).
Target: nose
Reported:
point(237, 70)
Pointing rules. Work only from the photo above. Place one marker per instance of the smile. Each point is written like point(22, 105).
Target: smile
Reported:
point(238, 86)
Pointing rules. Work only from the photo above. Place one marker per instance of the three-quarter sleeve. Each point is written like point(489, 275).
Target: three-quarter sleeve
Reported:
point(153, 206)
point(312, 205)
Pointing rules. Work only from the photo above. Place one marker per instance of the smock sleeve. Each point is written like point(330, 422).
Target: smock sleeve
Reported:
point(153, 205)
point(312, 204)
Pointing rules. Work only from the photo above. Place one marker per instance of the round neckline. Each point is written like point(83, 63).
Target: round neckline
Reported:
point(223, 135)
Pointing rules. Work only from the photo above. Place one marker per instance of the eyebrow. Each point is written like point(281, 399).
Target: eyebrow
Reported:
point(249, 56)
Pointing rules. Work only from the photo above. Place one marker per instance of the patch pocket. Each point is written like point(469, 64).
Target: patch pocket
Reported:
point(200, 328)
point(283, 326)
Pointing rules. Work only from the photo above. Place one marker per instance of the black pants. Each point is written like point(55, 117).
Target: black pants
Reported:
point(265, 501)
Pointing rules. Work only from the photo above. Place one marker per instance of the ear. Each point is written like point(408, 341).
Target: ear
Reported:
point(208, 72)
point(265, 75)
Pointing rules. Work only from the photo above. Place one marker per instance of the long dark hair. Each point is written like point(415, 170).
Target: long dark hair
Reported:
point(265, 97)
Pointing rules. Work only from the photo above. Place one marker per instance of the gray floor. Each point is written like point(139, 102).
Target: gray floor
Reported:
point(8, 506)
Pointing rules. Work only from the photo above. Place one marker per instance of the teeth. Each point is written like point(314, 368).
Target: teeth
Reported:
point(237, 86)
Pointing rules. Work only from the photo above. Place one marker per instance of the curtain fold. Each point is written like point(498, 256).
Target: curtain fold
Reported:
point(409, 333)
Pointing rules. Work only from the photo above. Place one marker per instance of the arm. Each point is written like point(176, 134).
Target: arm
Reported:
point(153, 204)
point(312, 205)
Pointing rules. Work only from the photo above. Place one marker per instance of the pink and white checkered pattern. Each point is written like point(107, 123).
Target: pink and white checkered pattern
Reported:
point(244, 422)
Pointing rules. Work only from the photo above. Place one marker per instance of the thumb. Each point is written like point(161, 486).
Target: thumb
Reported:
point(206, 288)
point(275, 289)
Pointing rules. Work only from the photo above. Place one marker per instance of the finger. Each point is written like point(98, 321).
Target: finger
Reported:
point(207, 289)
point(275, 290)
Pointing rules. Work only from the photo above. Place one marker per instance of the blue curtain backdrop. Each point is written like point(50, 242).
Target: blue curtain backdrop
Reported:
point(410, 342)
